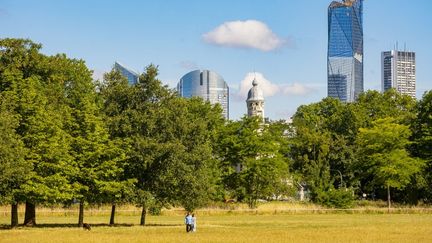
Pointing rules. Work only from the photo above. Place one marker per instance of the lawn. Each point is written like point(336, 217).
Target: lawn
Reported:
point(230, 227)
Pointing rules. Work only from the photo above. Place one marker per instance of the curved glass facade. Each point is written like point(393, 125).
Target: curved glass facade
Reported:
point(208, 85)
point(345, 50)
point(131, 75)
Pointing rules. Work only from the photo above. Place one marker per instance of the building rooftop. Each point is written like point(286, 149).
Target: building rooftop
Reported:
point(255, 93)
point(344, 3)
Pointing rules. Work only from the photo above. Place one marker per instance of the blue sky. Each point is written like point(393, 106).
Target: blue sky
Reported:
point(287, 52)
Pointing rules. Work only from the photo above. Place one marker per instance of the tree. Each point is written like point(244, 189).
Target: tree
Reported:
point(167, 140)
point(322, 146)
point(251, 159)
point(32, 82)
point(373, 105)
point(14, 170)
point(385, 158)
point(422, 146)
point(117, 96)
point(96, 159)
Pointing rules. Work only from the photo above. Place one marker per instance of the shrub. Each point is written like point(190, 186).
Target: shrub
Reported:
point(336, 198)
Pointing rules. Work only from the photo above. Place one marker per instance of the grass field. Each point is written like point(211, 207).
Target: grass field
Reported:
point(229, 227)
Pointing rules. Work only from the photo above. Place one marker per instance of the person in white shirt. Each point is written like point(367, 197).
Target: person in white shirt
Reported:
point(193, 223)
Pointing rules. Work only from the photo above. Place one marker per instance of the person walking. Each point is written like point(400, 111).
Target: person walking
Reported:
point(188, 222)
point(193, 223)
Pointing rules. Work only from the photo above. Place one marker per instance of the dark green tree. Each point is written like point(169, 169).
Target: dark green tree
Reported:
point(322, 146)
point(253, 165)
point(167, 140)
point(422, 148)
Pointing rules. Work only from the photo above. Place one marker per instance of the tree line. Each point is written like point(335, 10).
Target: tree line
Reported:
point(67, 139)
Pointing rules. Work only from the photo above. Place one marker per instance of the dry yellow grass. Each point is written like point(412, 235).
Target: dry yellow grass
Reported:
point(229, 227)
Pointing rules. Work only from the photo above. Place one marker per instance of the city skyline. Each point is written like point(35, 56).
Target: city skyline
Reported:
point(282, 43)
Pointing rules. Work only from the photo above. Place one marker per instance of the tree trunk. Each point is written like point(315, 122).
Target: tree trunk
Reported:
point(388, 198)
point(113, 208)
point(143, 215)
point(14, 214)
point(81, 214)
point(30, 214)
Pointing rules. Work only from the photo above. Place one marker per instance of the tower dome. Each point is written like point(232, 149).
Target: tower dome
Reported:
point(255, 93)
point(255, 101)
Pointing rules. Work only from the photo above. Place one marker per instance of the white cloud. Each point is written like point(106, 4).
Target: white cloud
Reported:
point(269, 88)
point(296, 89)
point(245, 34)
point(189, 65)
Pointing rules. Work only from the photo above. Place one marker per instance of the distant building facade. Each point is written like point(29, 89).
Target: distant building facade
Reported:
point(131, 75)
point(255, 101)
point(345, 50)
point(398, 71)
point(208, 85)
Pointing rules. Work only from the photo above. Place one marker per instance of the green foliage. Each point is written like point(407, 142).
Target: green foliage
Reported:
point(336, 198)
point(167, 139)
point(14, 170)
point(256, 151)
point(384, 153)
point(422, 147)
point(322, 146)
point(31, 81)
point(64, 138)
point(384, 156)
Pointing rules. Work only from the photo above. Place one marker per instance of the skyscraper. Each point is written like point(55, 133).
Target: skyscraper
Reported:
point(345, 50)
point(208, 85)
point(398, 71)
point(131, 75)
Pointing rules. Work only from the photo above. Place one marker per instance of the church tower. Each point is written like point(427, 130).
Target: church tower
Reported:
point(255, 101)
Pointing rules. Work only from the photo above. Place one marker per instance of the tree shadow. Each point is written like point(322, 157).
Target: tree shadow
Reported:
point(8, 227)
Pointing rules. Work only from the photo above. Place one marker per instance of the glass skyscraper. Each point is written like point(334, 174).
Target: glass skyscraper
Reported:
point(131, 75)
point(208, 85)
point(345, 50)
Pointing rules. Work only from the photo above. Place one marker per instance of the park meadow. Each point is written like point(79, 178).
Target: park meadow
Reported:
point(271, 222)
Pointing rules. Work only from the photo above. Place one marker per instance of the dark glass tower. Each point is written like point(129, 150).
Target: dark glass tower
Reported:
point(345, 50)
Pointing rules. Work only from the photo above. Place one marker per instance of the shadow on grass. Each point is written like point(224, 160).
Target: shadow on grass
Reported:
point(8, 227)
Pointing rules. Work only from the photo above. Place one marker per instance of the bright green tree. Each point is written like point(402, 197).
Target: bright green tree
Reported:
point(14, 170)
point(96, 159)
point(31, 81)
point(117, 98)
point(385, 158)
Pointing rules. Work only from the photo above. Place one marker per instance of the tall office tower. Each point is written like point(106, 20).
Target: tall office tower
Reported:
point(398, 71)
point(208, 85)
point(345, 50)
point(131, 75)
point(255, 101)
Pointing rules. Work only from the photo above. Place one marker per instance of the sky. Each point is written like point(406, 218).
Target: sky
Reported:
point(282, 43)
